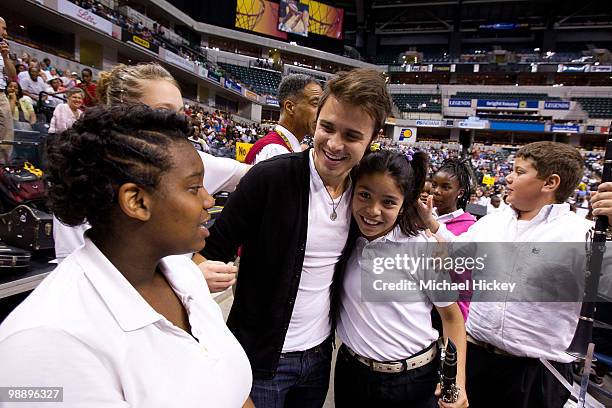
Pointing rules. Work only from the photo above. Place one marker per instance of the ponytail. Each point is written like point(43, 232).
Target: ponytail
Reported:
point(409, 172)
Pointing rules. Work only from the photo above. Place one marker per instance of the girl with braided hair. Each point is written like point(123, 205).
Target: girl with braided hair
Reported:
point(451, 187)
point(126, 320)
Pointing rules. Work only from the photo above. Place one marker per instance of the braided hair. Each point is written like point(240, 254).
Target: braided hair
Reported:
point(105, 148)
point(124, 84)
point(462, 170)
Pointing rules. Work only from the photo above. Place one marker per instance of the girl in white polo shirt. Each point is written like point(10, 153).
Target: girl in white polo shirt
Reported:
point(389, 354)
point(125, 321)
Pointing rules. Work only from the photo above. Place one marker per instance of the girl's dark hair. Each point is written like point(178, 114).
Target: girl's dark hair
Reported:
point(462, 170)
point(408, 175)
point(105, 148)
point(19, 90)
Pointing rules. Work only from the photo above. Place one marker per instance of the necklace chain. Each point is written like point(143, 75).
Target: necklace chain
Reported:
point(333, 215)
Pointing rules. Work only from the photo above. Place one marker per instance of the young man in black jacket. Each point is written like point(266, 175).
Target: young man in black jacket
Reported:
point(291, 214)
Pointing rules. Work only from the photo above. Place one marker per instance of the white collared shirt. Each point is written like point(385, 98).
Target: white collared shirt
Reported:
point(384, 331)
point(274, 149)
point(86, 329)
point(529, 329)
point(447, 217)
point(310, 324)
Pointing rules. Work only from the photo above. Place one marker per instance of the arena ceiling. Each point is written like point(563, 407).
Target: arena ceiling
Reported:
point(388, 17)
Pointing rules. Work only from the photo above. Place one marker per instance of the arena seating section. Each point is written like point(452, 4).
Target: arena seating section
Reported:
point(428, 103)
point(262, 81)
point(597, 108)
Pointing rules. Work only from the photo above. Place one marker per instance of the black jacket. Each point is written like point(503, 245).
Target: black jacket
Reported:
point(268, 215)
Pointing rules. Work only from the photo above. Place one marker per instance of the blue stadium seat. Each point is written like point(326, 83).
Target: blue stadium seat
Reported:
point(262, 81)
point(597, 108)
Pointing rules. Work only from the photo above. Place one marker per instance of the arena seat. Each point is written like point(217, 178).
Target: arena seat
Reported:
point(429, 103)
point(597, 108)
point(262, 81)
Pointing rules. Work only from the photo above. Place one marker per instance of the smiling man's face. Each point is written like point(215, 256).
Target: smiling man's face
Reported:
point(342, 135)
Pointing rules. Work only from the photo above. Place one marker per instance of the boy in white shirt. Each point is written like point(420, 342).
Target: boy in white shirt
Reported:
point(506, 339)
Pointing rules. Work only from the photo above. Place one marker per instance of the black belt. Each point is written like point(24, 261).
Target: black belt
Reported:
point(318, 347)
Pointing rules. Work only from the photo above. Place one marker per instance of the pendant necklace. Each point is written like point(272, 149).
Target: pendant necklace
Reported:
point(333, 215)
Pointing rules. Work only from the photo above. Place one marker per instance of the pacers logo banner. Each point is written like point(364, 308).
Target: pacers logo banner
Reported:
point(405, 134)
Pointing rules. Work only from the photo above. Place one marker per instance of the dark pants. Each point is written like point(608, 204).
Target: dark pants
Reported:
point(501, 381)
point(355, 385)
point(301, 380)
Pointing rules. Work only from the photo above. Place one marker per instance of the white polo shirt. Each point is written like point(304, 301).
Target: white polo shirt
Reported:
point(274, 149)
point(526, 329)
point(384, 331)
point(447, 217)
point(86, 329)
point(310, 324)
point(220, 174)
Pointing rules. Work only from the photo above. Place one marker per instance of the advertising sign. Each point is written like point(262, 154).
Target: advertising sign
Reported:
point(176, 59)
point(229, 84)
point(565, 128)
point(85, 16)
point(139, 41)
point(429, 123)
point(460, 103)
point(507, 104)
point(270, 100)
point(406, 134)
point(557, 105)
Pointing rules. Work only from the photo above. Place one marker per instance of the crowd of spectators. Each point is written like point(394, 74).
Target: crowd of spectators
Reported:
point(48, 98)
point(40, 87)
point(262, 63)
point(217, 133)
point(156, 35)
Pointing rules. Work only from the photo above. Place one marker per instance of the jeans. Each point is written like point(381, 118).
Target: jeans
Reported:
point(301, 380)
point(355, 385)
